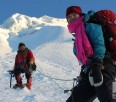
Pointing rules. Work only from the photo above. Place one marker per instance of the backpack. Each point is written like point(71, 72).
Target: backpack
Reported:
point(107, 19)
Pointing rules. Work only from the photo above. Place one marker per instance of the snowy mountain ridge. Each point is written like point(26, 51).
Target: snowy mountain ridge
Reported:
point(19, 22)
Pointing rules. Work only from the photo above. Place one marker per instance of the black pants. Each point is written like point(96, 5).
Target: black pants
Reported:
point(84, 92)
point(18, 71)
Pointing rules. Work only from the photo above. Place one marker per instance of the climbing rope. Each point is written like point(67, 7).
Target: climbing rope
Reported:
point(65, 91)
point(53, 77)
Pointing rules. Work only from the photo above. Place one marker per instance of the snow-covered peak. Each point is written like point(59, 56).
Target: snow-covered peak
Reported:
point(19, 22)
point(45, 17)
point(16, 15)
point(53, 21)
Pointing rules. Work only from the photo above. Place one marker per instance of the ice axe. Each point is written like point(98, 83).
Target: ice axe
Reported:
point(11, 72)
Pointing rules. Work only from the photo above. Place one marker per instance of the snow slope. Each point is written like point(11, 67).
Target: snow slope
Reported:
point(52, 46)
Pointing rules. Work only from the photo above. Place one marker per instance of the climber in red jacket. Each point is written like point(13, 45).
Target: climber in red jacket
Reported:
point(24, 62)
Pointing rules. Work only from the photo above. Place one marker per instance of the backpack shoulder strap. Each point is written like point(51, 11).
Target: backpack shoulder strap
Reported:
point(88, 16)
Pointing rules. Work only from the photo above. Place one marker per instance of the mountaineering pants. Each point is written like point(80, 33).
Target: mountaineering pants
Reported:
point(84, 92)
point(18, 78)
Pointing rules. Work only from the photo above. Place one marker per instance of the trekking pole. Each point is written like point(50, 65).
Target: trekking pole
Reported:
point(11, 72)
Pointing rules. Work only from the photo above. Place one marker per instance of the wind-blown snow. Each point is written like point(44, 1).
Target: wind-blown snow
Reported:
point(52, 46)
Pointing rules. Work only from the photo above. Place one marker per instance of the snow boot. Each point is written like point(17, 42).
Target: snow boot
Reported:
point(29, 83)
point(19, 82)
point(18, 86)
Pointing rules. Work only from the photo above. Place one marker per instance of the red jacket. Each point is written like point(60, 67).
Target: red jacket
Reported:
point(24, 56)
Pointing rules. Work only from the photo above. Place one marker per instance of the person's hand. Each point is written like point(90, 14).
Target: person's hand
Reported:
point(95, 74)
point(30, 68)
point(84, 73)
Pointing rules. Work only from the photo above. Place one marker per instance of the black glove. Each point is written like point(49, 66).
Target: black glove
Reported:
point(84, 73)
point(95, 74)
point(30, 68)
point(11, 71)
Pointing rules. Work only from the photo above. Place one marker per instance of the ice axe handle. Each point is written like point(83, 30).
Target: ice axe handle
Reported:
point(11, 72)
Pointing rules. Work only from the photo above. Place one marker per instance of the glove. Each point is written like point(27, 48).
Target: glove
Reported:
point(11, 71)
point(30, 68)
point(95, 74)
point(84, 73)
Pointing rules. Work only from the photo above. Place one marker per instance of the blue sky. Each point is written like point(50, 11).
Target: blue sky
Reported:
point(53, 8)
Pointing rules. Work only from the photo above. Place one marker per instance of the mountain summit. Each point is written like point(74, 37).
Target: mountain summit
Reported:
point(18, 22)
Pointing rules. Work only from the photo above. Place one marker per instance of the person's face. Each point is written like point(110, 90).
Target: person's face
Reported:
point(22, 48)
point(72, 17)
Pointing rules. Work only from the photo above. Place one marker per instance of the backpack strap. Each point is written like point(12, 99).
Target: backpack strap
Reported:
point(88, 16)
